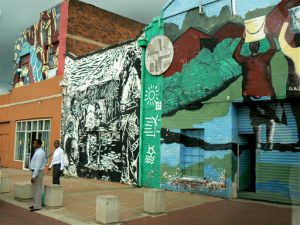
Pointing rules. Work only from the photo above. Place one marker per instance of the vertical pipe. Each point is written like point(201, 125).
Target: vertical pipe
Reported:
point(233, 7)
point(238, 166)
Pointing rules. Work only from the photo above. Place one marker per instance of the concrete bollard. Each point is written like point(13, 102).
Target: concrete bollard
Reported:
point(54, 195)
point(23, 191)
point(107, 209)
point(154, 201)
point(4, 186)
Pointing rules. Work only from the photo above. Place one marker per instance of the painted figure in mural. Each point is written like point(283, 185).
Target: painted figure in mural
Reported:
point(130, 84)
point(257, 84)
point(92, 111)
point(92, 124)
point(71, 145)
point(92, 148)
point(292, 55)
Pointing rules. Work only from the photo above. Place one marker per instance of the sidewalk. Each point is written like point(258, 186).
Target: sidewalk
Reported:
point(80, 198)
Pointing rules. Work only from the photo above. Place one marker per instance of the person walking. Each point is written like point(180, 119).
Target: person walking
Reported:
point(37, 165)
point(57, 163)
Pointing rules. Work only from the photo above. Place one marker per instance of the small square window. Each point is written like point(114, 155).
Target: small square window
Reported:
point(24, 65)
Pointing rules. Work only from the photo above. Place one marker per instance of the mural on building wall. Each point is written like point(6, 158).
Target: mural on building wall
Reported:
point(245, 53)
point(182, 162)
point(36, 50)
point(100, 127)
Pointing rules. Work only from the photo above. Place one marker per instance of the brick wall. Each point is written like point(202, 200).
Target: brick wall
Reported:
point(96, 24)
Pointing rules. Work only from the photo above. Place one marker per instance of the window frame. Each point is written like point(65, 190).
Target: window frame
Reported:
point(24, 129)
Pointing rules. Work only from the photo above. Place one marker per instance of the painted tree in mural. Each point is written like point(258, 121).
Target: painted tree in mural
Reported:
point(218, 66)
point(101, 131)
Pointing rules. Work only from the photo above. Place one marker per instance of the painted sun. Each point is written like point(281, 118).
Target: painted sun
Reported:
point(151, 96)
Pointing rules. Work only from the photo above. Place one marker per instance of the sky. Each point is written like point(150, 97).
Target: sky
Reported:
point(17, 15)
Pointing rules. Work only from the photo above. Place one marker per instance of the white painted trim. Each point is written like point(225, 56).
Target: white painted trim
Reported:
point(31, 101)
point(86, 40)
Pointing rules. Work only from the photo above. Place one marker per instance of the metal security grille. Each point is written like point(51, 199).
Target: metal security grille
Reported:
point(277, 168)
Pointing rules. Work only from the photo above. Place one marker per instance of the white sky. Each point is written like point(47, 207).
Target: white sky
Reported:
point(16, 15)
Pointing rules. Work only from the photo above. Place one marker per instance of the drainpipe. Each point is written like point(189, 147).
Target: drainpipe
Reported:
point(233, 7)
point(143, 44)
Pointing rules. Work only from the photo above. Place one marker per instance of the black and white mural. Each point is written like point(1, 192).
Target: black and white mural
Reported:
point(100, 122)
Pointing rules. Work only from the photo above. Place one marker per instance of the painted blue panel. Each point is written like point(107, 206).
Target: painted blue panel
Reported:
point(180, 6)
point(220, 154)
point(199, 133)
point(178, 19)
point(242, 6)
point(191, 155)
point(170, 154)
point(212, 173)
point(215, 8)
point(35, 63)
point(219, 130)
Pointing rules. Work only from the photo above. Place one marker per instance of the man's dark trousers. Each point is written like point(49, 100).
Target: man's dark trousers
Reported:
point(56, 174)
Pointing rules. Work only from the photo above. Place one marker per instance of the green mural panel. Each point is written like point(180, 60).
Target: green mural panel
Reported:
point(192, 84)
point(185, 119)
point(151, 100)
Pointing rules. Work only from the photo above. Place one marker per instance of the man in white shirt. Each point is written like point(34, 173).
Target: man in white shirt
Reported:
point(37, 165)
point(57, 162)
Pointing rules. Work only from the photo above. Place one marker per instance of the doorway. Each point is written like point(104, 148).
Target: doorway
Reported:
point(247, 163)
point(28, 153)
point(4, 143)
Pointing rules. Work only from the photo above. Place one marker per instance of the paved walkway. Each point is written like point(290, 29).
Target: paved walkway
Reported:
point(14, 215)
point(80, 198)
point(181, 208)
point(224, 213)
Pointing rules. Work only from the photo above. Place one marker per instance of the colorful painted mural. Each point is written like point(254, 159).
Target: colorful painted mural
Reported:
point(36, 50)
point(182, 162)
point(100, 126)
point(229, 99)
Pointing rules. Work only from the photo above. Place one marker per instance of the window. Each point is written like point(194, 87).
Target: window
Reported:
point(192, 162)
point(24, 65)
point(192, 154)
point(26, 132)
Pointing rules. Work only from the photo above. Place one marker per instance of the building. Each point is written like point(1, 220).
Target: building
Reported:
point(223, 128)
point(33, 107)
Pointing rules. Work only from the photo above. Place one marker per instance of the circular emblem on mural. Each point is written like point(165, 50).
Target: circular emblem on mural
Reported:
point(159, 55)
